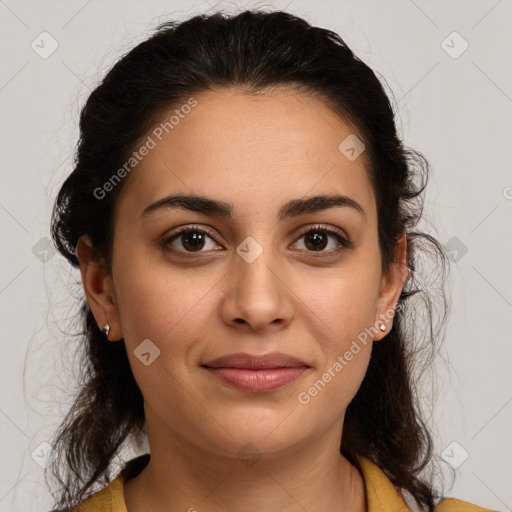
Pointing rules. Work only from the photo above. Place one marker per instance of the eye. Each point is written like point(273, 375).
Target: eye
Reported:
point(316, 239)
point(189, 239)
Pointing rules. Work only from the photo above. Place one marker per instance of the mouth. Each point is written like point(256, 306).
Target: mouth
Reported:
point(254, 373)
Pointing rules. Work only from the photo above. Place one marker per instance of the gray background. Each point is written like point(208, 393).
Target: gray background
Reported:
point(455, 110)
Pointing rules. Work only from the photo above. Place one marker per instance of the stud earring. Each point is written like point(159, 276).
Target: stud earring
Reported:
point(106, 330)
point(382, 327)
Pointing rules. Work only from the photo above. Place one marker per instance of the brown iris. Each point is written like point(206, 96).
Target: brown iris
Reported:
point(193, 240)
point(317, 240)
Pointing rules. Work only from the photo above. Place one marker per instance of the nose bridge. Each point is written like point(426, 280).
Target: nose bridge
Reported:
point(256, 294)
point(255, 261)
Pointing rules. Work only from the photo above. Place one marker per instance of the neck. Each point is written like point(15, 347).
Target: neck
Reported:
point(182, 477)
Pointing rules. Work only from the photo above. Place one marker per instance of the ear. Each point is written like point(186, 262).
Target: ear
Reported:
point(392, 283)
point(97, 283)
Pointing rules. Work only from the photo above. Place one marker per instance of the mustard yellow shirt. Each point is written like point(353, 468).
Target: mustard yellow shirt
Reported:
point(381, 495)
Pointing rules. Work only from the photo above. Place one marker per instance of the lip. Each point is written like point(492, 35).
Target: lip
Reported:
point(256, 373)
point(255, 362)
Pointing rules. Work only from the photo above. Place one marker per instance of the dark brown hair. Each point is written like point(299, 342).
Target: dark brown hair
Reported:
point(255, 51)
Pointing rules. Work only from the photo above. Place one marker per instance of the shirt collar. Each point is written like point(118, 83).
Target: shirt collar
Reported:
point(381, 494)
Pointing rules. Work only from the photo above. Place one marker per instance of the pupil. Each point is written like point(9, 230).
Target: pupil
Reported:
point(193, 240)
point(318, 241)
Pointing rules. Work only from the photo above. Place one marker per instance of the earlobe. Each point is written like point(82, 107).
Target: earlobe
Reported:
point(97, 283)
point(392, 284)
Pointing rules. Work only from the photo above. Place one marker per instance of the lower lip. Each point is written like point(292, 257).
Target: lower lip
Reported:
point(257, 381)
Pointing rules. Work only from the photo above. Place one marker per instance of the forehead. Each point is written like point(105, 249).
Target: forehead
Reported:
point(249, 149)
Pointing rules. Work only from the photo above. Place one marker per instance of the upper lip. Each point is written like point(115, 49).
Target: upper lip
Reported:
point(256, 362)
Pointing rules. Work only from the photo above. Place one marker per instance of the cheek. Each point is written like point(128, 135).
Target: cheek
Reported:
point(349, 313)
point(156, 300)
point(171, 309)
point(346, 305)
point(331, 389)
point(160, 305)
point(345, 301)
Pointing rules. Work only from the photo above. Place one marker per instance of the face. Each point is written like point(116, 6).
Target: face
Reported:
point(250, 276)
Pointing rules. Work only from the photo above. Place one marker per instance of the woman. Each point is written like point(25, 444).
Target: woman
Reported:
point(242, 213)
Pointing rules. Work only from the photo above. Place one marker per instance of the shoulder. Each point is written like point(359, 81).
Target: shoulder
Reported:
point(382, 495)
point(110, 499)
point(454, 505)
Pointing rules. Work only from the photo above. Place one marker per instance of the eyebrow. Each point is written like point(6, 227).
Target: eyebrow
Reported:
point(293, 208)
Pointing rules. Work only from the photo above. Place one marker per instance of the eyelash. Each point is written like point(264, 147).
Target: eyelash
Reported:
point(344, 243)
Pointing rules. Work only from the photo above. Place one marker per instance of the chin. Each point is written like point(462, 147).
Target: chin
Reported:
point(253, 440)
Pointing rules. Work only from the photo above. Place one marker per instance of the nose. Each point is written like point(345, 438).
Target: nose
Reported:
point(257, 295)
